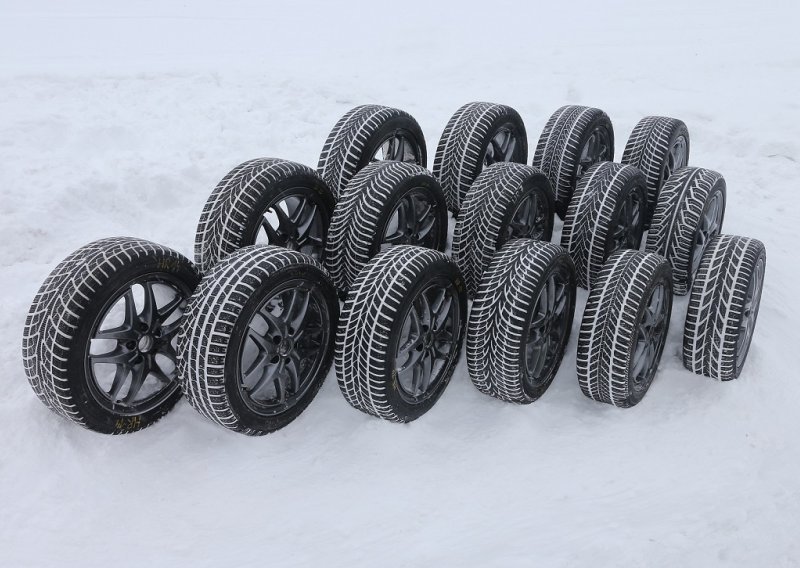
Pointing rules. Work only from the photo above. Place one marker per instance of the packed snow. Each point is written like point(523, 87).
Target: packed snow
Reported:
point(119, 119)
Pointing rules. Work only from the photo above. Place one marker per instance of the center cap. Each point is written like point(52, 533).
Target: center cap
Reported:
point(285, 347)
point(146, 343)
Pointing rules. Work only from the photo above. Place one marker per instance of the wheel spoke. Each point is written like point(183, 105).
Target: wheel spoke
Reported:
point(425, 311)
point(541, 309)
point(280, 386)
point(267, 374)
point(117, 356)
point(405, 222)
point(426, 368)
point(118, 382)
point(297, 214)
point(138, 375)
point(263, 345)
point(272, 234)
point(131, 317)
point(305, 229)
point(119, 333)
point(293, 365)
point(510, 147)
point(149, 308)
point(284, 223)
point(561, 299)
point(640, 357)
point(295, 314)
point(395, 238)
point(537, 355)
point(167, 309)
point(159, 374)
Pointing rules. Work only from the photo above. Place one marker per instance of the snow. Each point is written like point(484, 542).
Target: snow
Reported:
point(119, 118)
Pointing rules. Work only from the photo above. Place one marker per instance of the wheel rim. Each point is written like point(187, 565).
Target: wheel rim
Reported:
point(283, 347)
point(597, 148)
point(626, 233)
point(397, 147)
point(295, 222)
point(412, 221)
point(427, 342)
point(709, 227)
point(501, 147)
point(748, 323)
point(651, 333)
point(529, 219)
point(131, 360)
point(677, 158)
point(548, 328)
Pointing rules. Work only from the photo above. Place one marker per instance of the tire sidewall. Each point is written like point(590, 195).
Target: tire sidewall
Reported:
point(719, 187)
point(406, 186)
point(402, 125)
point(601, 120)
point(679, 129)
point(445, 272)
point(309, 186)
point(634, 184)
point(249, 420)
point(662, 275)
point(78, 372)
point(509, 119)
point(560, 262)
point(737, 367)
point(535, 184)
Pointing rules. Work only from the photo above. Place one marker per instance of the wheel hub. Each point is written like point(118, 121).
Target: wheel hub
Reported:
point(285, 347)
point(146, 343)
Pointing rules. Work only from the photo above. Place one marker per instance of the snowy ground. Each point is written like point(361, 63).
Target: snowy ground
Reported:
point(119, 119)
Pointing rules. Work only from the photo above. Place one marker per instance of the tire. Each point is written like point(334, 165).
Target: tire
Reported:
point(602, 217)
point(723, 307)
point(466, 146)
point(514, 293)
point(689, 213)
point(610, 329)
point(358, 138)
point(86, 309)
point(494, 211)
point(658, 146)
point(369, 217)
point(378, 315)
point(238, 361)
point(269, 201)
point(560, 150)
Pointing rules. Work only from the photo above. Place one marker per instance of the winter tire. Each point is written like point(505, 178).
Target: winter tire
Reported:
point(520, 320)
point(507, 201)
point(574, 139)
point(477, 136)
point(689, 213)
point(99, 340)
point(257, 339)
point(624, 328)
point(400, 334)
point(658, 146)
point(264, 201)
point(366, 134)
point(385, 204)
point(606, 215)
point(723, 307)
